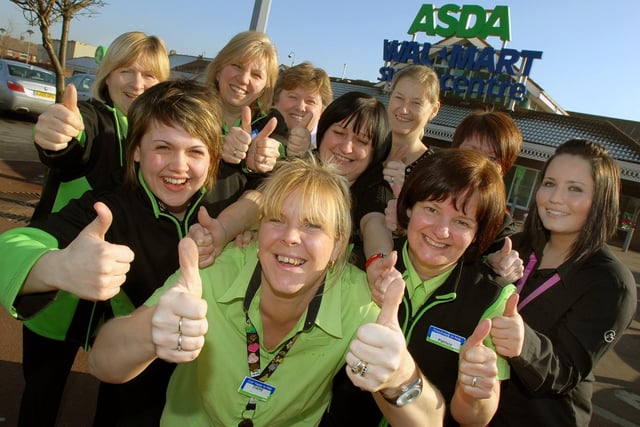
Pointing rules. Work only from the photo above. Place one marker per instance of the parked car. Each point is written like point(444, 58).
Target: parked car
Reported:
point(25, 88)
point(83, 83)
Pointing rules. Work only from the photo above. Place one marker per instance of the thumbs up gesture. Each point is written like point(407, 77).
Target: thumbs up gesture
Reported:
point(264, 151)
point(376, 276)
point(92, 268)
point(60, 123)
point(179, 323)
point(236, 143)
point(506, 262)
point(507, 331)
point(210, 236)
point(477, 370)
point(381, 346)
point(300, 137)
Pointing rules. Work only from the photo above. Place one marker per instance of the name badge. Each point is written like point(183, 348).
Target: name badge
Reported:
point(445, 339)
point(257, 389)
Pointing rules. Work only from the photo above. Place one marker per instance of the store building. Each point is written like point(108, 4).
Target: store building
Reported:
point(476, 76)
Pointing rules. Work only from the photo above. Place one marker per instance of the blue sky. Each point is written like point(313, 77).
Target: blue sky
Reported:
point(590, 62)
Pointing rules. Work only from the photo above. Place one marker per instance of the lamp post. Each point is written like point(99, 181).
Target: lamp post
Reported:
point(2, 31)
point(30, 32)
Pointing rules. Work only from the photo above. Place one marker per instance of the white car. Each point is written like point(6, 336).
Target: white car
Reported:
point(25, 88)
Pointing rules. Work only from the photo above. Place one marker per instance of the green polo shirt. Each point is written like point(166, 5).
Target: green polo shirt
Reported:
point(205, 391)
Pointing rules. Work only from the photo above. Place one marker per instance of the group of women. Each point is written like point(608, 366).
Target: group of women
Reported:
point(283, 329)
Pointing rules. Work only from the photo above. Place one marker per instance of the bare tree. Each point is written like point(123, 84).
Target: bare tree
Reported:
point(44, 14)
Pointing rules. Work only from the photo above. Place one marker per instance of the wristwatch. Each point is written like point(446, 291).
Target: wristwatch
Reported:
point(407, 394)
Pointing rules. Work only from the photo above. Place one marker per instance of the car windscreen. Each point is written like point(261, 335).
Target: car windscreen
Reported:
point(31, 74)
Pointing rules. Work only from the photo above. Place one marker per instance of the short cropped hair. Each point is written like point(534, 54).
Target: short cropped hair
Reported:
point(306, 76)
point(126, 49)
point(184, 103)
point(458, 174)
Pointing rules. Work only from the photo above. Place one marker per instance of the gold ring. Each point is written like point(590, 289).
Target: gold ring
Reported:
point(179, 347)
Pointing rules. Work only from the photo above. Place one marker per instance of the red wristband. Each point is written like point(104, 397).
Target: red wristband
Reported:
point(372, 258)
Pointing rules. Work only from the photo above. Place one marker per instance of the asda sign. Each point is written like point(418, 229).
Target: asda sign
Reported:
point(462, 21)
point(465, 22)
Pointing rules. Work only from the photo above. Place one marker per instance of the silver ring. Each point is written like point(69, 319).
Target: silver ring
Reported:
point(391, 180)
point(180, 326)
point(474, 381)
point(359, 368)
point(179, 347)
point(265, 160)
point(235, 153)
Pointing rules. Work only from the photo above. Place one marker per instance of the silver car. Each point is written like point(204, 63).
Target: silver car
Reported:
point(83, 83)
point(25, 88)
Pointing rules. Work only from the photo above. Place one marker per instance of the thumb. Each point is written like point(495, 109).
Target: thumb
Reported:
point(396, 187)
point(398, 155)
point(204, 219)
point(245, 119)
point(189, 272)
point(392, 299)
point(306, 119)
point(99, 226)
point(70, 98)
point(511, 307)
point(389, 261)
point(481, 331)
point(506, 248)
point(268, 129)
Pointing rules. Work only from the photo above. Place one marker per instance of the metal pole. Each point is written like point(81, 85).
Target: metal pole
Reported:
point(260, 15)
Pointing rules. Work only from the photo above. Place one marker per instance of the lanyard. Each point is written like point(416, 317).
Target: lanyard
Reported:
point(533, 260)
point(253, 340)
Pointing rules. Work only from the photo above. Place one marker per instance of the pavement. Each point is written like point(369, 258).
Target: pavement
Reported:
point(616, 391)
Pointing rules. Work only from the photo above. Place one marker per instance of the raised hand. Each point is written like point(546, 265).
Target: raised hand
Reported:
point(60, 123)
point(375, 276)
point(264, 151)
point(477, 370)
point(381, 346)
point(210, 237)
point(394, 168)
point(92, 268)
point(507, 331)
point(179, 323)
point(506, 262)
point(299, 141)
point(236, 143)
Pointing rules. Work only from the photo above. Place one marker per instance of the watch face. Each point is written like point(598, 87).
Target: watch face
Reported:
point(408, 396)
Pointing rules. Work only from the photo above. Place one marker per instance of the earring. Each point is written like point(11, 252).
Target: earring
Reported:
point(331, 264)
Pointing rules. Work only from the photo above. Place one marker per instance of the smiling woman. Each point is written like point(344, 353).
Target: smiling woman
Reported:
point(291, 297)
point(114, 235)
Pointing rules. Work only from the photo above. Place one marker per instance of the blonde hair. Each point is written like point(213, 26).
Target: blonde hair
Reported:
point(324, 197)
point(246, 47)
point(424, 75)
point(126, 49)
